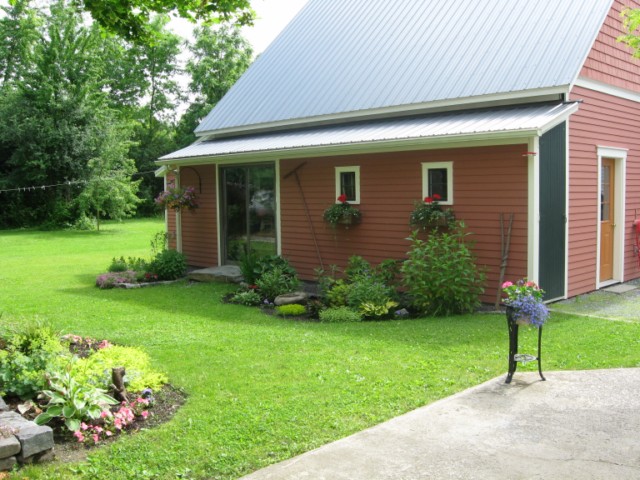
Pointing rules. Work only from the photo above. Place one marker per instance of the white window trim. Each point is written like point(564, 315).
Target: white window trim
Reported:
point(426, 166)
point(354, 169)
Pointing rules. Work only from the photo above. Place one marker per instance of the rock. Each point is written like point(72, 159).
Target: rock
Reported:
point(42, 457)
point(291, 298)
point(34, 439)
point(14, 420)
point(7, 463)
point(3, 406)
point(225, 273)
point(9, 446)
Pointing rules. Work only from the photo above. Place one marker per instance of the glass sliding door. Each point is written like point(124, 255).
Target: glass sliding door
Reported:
point(248, 211)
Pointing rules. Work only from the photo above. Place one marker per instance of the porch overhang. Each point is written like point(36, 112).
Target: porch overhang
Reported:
point(499, 125)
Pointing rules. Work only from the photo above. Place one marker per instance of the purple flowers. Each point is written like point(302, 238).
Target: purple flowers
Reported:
point(110, 280)
point(525, 297)
point(177, 198)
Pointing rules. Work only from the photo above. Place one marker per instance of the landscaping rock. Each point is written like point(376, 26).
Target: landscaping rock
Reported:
point(14, 420)
point(225, 273)
point(291, 298)
point(3, 406)
point(9, 447)
point(7, 463)
point(42, 457)
point(34, 439)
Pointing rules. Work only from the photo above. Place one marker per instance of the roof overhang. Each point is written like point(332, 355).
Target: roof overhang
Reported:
point(490, 126)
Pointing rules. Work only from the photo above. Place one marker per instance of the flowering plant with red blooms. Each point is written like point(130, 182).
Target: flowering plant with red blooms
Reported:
point(177, 198)
point(526, 300)
point(342, 212)
point(429, 213)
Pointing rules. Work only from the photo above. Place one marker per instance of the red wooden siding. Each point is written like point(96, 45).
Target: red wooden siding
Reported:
point(610, 61)
point(199, 227)
point(607, 121)
point(487, 181)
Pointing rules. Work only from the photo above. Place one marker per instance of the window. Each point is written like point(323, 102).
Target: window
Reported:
point(348, 183)
point(437, 178)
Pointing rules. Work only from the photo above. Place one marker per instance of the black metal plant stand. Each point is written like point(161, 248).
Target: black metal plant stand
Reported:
point(514, 356)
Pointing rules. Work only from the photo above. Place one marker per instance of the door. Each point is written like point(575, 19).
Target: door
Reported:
point(607, 218)
point(248, 211)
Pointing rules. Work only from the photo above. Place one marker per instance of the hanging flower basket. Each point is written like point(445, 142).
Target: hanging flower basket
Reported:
point(177, 198)
point(342, 213)
point(430, 214)
point(525, 304)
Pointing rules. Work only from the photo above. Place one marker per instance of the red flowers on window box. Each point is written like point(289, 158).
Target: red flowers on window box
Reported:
point(342, 213)
point(430, 214)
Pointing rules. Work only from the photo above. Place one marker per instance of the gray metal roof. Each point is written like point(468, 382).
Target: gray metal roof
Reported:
point(521, 121)
point(340, 57)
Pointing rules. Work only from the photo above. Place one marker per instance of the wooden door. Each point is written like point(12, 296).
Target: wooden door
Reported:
point(607, 218)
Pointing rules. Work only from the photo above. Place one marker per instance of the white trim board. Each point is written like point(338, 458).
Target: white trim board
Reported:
point(612, 90)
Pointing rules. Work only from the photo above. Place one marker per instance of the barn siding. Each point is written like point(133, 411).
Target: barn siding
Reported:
point(487, 181)
point(610, 61)
point(602, 120)
point(199, 227)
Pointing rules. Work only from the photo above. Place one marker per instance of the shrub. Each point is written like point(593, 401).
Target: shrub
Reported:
point(292, 310)
point(168, 265)
point(96, 369)
point(270, 262)
point(73, 401)
point(250, 298)
point(440, 274)
point(28, 354)
point(337, 295)
point(368, 289)
point(277, 282)
point(110, 280)
point(248, 266)
point(117, 265)
point(377, 309)
point(340, 315)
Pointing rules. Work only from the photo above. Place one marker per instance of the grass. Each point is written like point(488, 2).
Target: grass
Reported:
point(261, 388)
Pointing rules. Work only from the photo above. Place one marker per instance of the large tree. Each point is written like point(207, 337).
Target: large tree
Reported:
point(131, 18)
point(631, 22)
point(218, 58)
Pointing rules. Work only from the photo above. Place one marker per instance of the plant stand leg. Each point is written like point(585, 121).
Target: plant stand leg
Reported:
point(539, 357)
point(513, 348)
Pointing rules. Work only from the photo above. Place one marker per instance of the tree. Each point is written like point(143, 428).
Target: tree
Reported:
point(18, 38)
point(631, 23)
point(130, 19)
point(218, 58)
point(109, 190)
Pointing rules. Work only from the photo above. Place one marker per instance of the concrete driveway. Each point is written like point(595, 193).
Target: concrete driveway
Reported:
point(576, 425)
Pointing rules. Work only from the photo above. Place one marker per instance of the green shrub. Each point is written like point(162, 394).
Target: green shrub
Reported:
point(250, 298)
point(268, 263)
point(118, 265)
point(336, 296)
point(340, 315)
point(73, 401)
point(168, 265)
point(96, 369)
point(368, 289)
point(135, 264)
point(441, 275)
point(357, 267)
point(249, 267)
point(377, 310)
point(292, 310)
point(27, 354)
point(277, 282)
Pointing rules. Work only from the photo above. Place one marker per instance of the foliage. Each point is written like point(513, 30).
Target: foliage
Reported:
point(219, 56)
point(429, 214)
point(525, 297)
point(292, 310)
point(440, 274)
point(119, 264)
point(337, 295)
point(276, 282)
point(342, 212)
point(268, 263)
point(110, 280)
point(368, 289)
point(377, 309)
point(168, 265)
point(131, 18)
point(248, 266)
point(27, 353)
point(250, 298)
point(159, 242)
point(340, 315)
point(631, 23)
point(177, 198)
point(73, 401)
point(96, 368)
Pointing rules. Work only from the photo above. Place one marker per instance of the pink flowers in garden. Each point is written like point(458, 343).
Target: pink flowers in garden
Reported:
point(111, 423)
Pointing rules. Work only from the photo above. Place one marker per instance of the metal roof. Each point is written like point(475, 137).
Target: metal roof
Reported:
point(521, 121)
point(349, 57)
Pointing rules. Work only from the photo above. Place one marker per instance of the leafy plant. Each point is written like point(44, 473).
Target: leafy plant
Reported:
point(159, 243)
point(248, 266)
point(177, 198)
point(342, 213)
point(268, 263)
point(368, 289)
point(73, 401)
point(525, 297)
point(340, 315)
point(429, 213)
point(118, 265)
point(168, 265)
point(27, 354)
point(440, 274)
point(337, 295)
point(292, 310)
point(96, 369)
point(250, 298)
point(276, 282)
point(377, 309)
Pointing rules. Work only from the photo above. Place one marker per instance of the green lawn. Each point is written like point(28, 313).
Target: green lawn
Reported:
point(262, 389)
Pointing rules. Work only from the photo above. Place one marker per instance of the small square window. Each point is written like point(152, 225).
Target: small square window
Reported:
point(348, 183)
point(437, 179)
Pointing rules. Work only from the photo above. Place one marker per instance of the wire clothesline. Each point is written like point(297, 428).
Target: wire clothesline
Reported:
point(54, 185)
